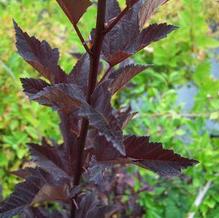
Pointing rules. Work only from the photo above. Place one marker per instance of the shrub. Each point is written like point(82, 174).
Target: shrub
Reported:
point(93, 141)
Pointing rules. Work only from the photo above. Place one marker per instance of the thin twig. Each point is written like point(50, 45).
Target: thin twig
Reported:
point(199, 199)
point(116, 20)
point(82, 39)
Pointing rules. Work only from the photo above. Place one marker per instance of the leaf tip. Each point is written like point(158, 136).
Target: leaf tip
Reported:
point(194, 162)
point(14, 23)
point(16, 26)
point(174, 27)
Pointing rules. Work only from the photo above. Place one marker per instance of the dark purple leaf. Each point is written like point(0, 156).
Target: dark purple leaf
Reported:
point(124, 116)
point(80, 73)
point(95, 171)
point(101, 148)
point(100, 101)
point(52, 159)
point(33, 86)
point(33, 212)
point(112, 9)
point(99, 122)
point(120, 44)
point(147, 10)
point(70, 128)
point(151, 34)
point(40, 212)
point(117, 41)
point(63, 97)
point(75, 191)
point(91, 207)
point(33, 190)
point(74, 9)
point(22, 197)
point(154, 157)
point(122, 76)
point(23, 173)
point(125, 39)
point(40, 55)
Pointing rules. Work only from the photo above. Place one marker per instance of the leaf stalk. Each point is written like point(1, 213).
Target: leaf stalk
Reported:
point(83, 42)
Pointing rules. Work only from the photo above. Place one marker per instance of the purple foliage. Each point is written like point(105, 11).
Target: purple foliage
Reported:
point(82, 173)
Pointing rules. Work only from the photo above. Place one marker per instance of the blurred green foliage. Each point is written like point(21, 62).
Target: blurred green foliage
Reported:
point(181, 63)
point(177, 100)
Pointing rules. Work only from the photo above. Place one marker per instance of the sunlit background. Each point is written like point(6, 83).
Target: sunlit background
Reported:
point(177, 99)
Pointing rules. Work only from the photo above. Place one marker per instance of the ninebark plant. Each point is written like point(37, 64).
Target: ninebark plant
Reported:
point(93, 141)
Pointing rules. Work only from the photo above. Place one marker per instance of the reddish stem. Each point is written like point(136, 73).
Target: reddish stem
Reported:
point(94, 64)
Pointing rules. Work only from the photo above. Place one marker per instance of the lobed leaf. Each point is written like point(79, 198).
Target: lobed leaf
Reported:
point(35, 189)
point(122, 35)
point(80, 73)
point(101, 102)
point(74, 9)
point(79, 76)
point(101, 99)
point(125, 39)
point(99, 122)
point(91, 207)
point(43, 212)
point(151, 34)
point(22, 197)
point(70, 129)
point(154, 157)
point(95, 171)
point(63, 97)
point(121, 77)
point(147, 11)
point(52, 159)
point(101, 148)
point(112, 10)
point(40, 55)
point(33, 86)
